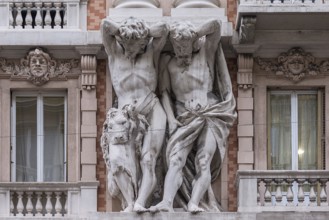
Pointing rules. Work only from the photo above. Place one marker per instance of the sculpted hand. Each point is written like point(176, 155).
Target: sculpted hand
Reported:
point(173, 124)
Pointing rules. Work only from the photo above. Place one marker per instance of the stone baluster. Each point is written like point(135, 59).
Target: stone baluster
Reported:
point(323, 193)
point(58, 20)
point(20, 206)
point(29, 205)
point(312, 195)
point(11, 17)
point(58, 205)
point(28, 17)
point(38, 205)
point(258, 193)
point(65, 201)
point(38, 16)
point(47, 22)
point(49, 206)
point(64, 9)
point(290, 194)
point(278, 193)
point(267, 195)
point(19, 18)
point(12, 208)
point(301, 194)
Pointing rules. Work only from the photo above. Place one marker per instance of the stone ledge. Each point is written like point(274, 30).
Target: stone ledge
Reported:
point(187, 216)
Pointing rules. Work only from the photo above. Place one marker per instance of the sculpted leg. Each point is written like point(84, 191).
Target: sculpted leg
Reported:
point(207, 144)
point(151, 148)
point(126, 188)
point(173, 181)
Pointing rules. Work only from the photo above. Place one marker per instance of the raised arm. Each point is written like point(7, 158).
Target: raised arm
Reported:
point(212, 30)
point(109, 29)
point(159, 32)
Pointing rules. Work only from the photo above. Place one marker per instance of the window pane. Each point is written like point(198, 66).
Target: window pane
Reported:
point(307, 132)
point(26, 139)
point(53, 138)
point(280, 131)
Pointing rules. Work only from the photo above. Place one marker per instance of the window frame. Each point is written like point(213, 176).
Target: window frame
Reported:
point(294, 124)
point(40, 131)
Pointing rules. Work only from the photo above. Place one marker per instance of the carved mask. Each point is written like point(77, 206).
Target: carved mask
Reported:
point(38, 65)
point(296, 64)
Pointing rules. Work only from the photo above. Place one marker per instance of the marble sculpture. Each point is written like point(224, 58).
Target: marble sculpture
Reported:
point(197, 104)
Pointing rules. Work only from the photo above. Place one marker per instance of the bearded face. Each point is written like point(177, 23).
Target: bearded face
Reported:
point(38, 65)
point(132, 47)
point(183, 50)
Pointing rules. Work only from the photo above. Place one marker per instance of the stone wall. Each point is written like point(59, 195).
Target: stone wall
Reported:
point(232, 145)
point(96, 12)
point(101, 113)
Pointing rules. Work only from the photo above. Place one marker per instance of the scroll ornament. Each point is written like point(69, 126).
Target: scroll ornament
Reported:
point(38, 67)
point(295, 65)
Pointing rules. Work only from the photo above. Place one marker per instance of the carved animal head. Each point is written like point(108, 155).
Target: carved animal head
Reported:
point(117, 126)
point(133, 37)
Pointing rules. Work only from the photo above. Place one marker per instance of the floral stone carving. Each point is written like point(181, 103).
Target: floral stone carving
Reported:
point(295, 65)
point(38, 67)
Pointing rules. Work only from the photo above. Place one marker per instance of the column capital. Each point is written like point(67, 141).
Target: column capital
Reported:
point(245, 65)
point(89, 73)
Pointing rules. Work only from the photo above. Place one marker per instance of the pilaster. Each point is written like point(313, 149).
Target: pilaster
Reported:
point(88, 117)
point(245, 109)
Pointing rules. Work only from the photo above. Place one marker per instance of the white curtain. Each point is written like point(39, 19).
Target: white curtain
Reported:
point(26, 139)
point(307, 132)
point(280, 131)
point(53, 138)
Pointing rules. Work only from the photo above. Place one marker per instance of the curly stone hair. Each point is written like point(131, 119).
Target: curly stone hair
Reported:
point(182, 31)
point(134, 29)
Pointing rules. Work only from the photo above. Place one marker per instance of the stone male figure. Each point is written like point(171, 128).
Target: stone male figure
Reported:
point(133, 53)
point(200, 120)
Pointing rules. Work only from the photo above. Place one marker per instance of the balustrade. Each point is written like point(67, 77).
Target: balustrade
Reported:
point(21, 199)
point(37, 15)
point(283, 190)
point(38, 203)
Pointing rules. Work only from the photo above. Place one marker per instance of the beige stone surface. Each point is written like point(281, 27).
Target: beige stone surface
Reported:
point(245, 103)
point(245, 157)
point(245, 130)
point(245, 143)
point(245, 117)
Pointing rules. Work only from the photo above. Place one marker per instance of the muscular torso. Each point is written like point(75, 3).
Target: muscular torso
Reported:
point(132, 79)
point(192, 85)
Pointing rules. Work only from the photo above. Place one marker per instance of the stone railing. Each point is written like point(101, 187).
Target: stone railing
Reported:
point(282, 190)
point(42, 199)
point(282, 2)
point(36, 14)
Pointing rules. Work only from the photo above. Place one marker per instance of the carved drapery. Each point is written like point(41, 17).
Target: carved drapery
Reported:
point(245, 64)
point(89, 76)
point(295, 65)
point(38, 67)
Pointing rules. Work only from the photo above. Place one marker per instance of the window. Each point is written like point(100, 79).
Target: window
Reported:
point(38, 136)
point(295, 130)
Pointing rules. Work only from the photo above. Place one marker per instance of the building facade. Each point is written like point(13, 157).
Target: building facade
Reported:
point(55, 90)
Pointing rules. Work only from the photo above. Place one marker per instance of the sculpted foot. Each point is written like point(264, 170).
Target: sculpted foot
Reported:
point(129, 208)
point(161, 207)
point(191, 207)
point(138, 208)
